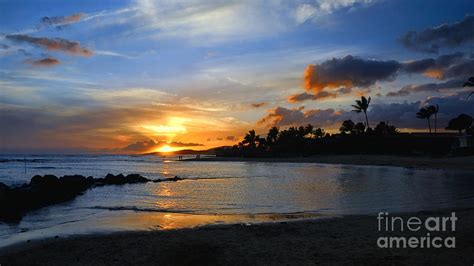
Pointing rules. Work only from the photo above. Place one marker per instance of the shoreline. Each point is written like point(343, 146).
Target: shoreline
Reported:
point(420, 162)
point(341, 240)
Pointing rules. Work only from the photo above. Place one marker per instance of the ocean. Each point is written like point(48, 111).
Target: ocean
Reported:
point(222, 192)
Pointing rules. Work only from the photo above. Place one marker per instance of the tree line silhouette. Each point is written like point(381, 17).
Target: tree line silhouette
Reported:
point(353, 137)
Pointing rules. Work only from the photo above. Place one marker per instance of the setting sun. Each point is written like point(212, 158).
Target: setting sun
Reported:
point(167, 148)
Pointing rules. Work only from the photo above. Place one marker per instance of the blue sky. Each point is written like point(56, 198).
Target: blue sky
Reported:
point(206, 71)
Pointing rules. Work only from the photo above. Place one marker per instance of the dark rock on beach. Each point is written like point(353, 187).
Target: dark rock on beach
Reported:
point(49, 189)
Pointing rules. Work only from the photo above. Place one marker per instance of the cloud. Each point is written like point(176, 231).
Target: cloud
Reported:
point(151, 145)
point(208, 22)
point(305, 12)
point(348, 72)
point(300, 97)
point(338, 76)
point(427, 87)
point(258, 105)
point(231, 138)
point(281, 116)
point(45, 62)
point(55, 44)
point(439, 68)
point(431, 40)
point(60, 21)
point(4, 46)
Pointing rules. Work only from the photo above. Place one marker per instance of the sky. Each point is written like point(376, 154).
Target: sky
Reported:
point(133, 76)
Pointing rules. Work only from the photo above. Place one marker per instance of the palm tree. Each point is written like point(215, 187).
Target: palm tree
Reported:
point(309, 130)
point(347, 126)
point(434, 109)
point(359, 128)
point(362, 106)
point(469, 83)
point(425, 113)
point(384, 129)
point(319, 133)
point(251, 138)
point(460, 123)
point(272, 135)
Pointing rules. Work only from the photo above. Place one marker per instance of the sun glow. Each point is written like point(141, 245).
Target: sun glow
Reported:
point(166, 129)
point(167, 148)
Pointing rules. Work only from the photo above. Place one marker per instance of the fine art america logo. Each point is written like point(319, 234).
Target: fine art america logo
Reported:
point(433, 225)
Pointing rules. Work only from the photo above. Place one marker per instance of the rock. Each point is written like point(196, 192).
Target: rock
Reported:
point(114, 179)
point(175, 178)
point(74, 183)
point(49, 189)
point(136, 178)
point(44, 181)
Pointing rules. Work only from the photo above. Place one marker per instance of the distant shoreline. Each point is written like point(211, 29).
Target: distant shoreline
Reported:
point(423, 162)
point(342, 240)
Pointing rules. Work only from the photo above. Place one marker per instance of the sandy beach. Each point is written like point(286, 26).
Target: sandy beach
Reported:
point(344, 240)
point(455, 163)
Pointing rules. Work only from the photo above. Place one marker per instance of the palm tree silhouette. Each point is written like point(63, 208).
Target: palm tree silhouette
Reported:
point(319, 132)
point(425, 113)
point(434, 109)
point(362, 106)
point(251, 139)
point(272, 135)
point(309, 130)
point(347, 126)
point(469, 83)
point(460, 123)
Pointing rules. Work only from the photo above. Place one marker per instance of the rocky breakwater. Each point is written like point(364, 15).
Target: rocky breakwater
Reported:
point(45, 190)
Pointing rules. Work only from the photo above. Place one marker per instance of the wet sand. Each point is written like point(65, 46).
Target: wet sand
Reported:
point(455, 163)
point(346, 240)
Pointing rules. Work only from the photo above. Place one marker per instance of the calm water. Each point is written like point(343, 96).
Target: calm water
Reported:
point(224, 192)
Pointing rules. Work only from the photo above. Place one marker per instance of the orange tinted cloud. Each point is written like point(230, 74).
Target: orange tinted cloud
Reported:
point(434, 73)
point(45, 62)
point(48, 21)
point(55, 44)
point(258, 105)
point(314, 81)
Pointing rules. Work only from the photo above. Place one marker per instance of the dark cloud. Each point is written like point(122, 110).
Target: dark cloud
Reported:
point(4, 46)
point(231, 138)
point(219, 139)
point(463, 69)
point(454, 68)
point(55, 44)
point(337, 76)
point(258, 105)
point(348, 72)
point(300, 97)
point(60, 21)
point(438, 67)
point(46, 62)
point(428, 87)
point(446, 35)
point(151, 145)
